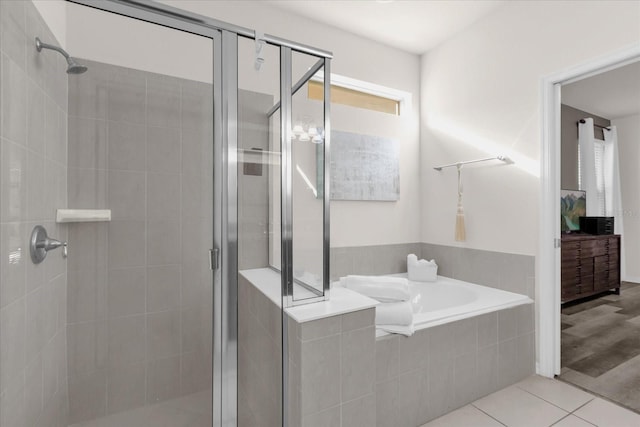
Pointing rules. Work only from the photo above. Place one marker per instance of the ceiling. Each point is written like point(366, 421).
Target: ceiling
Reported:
point(413, 26)
point(611, 95)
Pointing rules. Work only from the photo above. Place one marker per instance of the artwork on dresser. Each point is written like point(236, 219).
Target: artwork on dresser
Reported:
point(364, 167)
point(573, 205)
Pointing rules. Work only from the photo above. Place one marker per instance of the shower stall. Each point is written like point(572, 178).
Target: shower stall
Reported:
point(144, 181)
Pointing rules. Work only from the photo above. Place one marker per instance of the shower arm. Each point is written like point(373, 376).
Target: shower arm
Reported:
point(41, 45)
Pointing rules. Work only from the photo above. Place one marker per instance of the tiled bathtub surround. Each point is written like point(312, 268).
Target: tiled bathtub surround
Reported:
point(339, 374)
point(33, 169)
point(139, 299)
point(445, 367)
point(509, 272)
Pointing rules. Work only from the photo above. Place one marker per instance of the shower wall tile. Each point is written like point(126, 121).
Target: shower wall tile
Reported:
point(163, 337)
point(87, 143)
point(12, 263)
point(87, 188)
point(163, 292)
point(87, 347)
point(126, 243)
point(127, 386)
point(13, 27)
point(163, 379)
point(87, 396)
point(126, 96)
point(126, 194)
point(162, 191)
point(88, 244)
point(35, 117)
point(126, 129)
point(13, 182)
point(126, 146)
point(126, 340)
point(14, 101)
point(163, 102)
point(126, 291)
point(163, 150)
point(32, 184)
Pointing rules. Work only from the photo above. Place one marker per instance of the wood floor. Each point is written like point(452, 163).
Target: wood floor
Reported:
point(601, 346)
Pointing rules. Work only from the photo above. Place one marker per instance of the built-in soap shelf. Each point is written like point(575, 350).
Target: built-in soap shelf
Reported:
point(83, 215)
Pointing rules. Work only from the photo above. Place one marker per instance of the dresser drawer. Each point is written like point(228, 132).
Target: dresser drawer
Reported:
point(600, 247)
point(601, 264)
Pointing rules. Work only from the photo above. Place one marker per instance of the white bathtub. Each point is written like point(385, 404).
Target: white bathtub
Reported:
point(447, 300)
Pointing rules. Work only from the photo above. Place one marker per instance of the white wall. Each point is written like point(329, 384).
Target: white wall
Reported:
point(629, 152)
point(54, 13)
point(480, 95)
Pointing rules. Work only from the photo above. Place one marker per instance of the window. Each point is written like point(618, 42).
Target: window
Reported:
point(355, 98)
point(361, 94)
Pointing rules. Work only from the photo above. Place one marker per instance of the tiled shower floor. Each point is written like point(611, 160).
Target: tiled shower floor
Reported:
point(193, 410)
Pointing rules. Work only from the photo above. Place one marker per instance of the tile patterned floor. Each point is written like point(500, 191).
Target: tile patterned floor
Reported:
point(193, 410)
point(539, 402)
point(601, 346)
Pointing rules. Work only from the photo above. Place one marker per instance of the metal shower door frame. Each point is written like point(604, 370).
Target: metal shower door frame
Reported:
point(224, 37)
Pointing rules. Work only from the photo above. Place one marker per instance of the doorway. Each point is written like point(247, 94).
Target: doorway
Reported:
point(549, 298)
point(600, 350)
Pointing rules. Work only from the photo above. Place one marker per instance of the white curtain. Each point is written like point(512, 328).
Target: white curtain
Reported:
point(613, 199)
point(599, 175)
point(587, 167)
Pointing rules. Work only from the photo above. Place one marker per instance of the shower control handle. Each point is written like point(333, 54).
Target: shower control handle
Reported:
point(41, 244)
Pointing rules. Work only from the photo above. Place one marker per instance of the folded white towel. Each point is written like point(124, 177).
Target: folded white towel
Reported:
point(381, 288)
point(421, 270)
point(398, 329)
point(394, 313)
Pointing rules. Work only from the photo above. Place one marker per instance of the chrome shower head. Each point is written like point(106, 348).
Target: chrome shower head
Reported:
point(73, 66)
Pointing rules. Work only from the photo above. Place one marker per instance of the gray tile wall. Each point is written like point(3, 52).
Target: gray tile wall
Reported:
point(510, 272)
point(140, 291)
point(33, 169)
point(374, 260)
point(332, 364)
point(341, 375)
point(253, 190)
point(259, 358)
point(439, 369)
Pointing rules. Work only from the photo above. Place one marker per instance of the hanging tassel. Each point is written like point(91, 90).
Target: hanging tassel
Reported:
point(460, 234)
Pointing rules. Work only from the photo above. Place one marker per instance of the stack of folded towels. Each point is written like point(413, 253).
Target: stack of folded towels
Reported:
point(394, 313)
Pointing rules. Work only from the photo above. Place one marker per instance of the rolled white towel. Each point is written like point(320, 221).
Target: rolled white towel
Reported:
point(421, 270)
point(381, 288)
point(394, 313)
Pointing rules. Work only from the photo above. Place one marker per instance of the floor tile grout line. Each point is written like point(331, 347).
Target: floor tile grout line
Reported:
point(570, 414)
point(545, 400)
point(488, 415)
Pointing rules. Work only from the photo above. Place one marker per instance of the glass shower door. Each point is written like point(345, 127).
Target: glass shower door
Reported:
point(140, 289)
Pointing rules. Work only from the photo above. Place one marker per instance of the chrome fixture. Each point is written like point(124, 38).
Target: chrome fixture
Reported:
point(73, 66)
point(459, 164)
point(41, 244)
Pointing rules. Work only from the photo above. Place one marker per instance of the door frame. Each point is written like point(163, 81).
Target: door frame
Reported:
point(548, 270)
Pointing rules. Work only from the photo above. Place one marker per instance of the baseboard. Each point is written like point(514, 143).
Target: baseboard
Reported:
point(631, 279)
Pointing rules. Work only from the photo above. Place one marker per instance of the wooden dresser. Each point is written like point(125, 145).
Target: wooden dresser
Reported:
point(590, 265)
